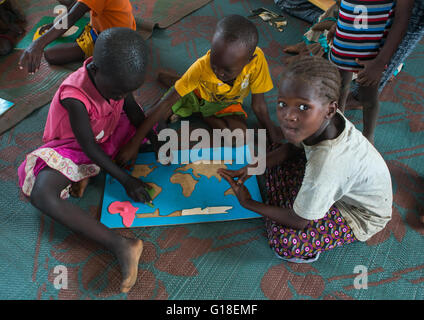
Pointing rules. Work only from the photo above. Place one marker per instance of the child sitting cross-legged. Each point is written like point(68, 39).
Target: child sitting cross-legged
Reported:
point(92, 115)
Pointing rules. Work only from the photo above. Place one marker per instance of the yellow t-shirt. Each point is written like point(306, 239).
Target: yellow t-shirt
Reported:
point(254, 78)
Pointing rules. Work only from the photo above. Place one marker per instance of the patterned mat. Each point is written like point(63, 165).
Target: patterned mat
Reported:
point(228, 260)
point(162, 13)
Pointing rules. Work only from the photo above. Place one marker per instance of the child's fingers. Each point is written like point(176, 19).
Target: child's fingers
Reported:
point(142, 196)
point(132, 163)
point(229, 180)
point(242, 179)
point(147, 196)
point(22, 60)
point(359, 62)
point(231, 173)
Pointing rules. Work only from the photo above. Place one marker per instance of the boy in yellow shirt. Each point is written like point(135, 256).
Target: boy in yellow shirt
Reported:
point(216, 84)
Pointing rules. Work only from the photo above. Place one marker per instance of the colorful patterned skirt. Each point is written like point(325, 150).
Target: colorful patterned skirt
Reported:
point(283, 184)
point(67, 157)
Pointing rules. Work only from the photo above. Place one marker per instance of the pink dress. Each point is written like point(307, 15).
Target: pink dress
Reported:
point(61, 151)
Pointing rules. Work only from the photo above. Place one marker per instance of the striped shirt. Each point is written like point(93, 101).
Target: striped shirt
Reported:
point(362, 28)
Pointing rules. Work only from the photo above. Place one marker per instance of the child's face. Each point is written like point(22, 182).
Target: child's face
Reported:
point(109, 89)
point(228, 59)
point(301, 114)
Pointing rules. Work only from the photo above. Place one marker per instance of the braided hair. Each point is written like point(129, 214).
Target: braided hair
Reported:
point(320, 73)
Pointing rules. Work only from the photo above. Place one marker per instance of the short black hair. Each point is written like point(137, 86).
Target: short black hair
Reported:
point(121, 53)
point(319, 72)
point(238, 28)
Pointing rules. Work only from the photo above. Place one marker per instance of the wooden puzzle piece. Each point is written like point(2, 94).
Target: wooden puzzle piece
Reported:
point(125, 209)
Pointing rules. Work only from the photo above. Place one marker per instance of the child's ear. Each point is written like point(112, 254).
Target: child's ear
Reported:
point(252, 57)
point(92, 66)
point(332, 109)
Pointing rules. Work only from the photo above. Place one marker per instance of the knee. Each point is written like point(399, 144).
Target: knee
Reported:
point(40, 196)
point(50, 56)
point(37, 196)
point(5, 47)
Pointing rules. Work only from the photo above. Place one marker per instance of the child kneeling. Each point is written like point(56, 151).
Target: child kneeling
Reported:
point(328, 186)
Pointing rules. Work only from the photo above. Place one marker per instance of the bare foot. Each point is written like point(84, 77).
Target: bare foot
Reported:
point(289, 60)
point(167, 78)
point(128, 258)
point(78, 188)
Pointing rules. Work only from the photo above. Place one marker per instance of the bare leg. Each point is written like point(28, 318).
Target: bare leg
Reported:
point(64, 53)
point(344, 90)
point(352, 102)
point(232, 123)
point(45, 196)
point(368, 96)
point(167, 78)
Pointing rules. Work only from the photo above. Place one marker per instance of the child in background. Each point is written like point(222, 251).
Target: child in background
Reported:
point(92, 115)
point(333, 190)
point(217, 83)
point(365, 37)
point(11, 25)
point(413, 36)
point(103, 15)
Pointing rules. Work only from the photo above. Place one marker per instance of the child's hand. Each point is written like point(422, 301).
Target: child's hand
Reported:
point(331, 33)
point(136, 189)
point(240, 174)
point(31, 58)
point(128, 153)
point(324, 25)
point(275, 134)
point(241, 192)
point(371, 74)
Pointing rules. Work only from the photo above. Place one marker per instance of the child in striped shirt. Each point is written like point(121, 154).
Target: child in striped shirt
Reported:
point(366, 35)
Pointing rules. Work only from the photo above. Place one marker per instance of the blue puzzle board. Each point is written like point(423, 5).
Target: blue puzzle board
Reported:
point(208, 192)
point(5, 105)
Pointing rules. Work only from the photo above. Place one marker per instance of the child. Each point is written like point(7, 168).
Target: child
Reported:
point(314, 41)
point(364, 42)
point(341, 192)
point(217, 83)
point(11, 25)
point(91, 116)
point(103, 14)
point(413, 36)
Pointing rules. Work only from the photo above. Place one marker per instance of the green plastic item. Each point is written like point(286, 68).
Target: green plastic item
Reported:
point(27, 40)
point(151, 192)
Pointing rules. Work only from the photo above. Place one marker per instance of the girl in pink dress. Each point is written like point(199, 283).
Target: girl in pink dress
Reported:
point(92, 116)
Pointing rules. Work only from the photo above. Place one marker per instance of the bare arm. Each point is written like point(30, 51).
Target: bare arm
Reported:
point(397, 31)
point(284, 216)
point(260, 109)
point(81, 128)
point(130, 150)
point(31, 57)
point(373, 69)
